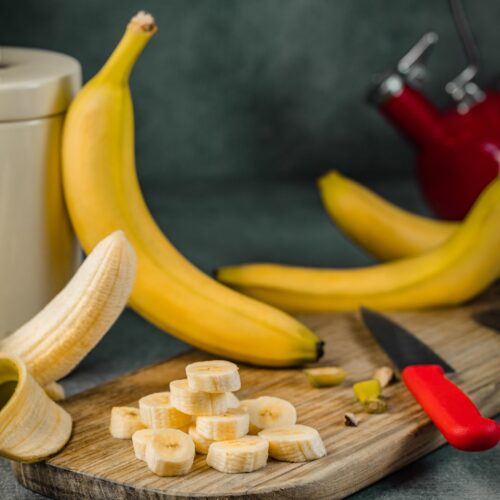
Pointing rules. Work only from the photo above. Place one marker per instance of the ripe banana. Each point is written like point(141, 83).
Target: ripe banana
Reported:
point(232, 424)
point(295, 443)
point(245, 405)
point(201, 443)
point(60, 335)
point(32, 426)
point(246, 454)
point(103, 194)
point(213, 376)
point(232, 401)
point(158, 412)
point(170, 452)
point(384, 230)
point(267, 412)
point(140, 440)
point(460, 268)
point(196, 402)
point(125, 421)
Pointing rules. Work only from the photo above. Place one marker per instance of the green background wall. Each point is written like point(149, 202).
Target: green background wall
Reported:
point(255, 89)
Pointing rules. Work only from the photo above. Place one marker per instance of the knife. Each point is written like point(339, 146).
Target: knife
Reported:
point(423, 373)
point(490, 318)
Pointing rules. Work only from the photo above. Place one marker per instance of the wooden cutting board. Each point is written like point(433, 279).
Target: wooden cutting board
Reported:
point(94, 465)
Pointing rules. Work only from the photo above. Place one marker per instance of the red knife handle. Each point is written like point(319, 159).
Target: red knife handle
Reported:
point(452, 412)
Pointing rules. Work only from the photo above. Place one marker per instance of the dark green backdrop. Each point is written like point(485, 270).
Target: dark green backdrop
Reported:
point(259, 88)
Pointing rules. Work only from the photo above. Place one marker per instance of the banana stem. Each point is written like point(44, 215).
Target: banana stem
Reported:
point(138, 33)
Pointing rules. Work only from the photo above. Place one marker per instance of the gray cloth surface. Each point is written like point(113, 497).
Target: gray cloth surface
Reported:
point(240, 222)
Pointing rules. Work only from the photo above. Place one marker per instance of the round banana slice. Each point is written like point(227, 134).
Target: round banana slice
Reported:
point(294, 443)
point(193, 402)
point(32, 426)
point(232, 401)
point(55, 391)
point(245, 405)
point(267, 412)
point(231, 425)
point(213, 376)
point(157, 412)
point(201, 443)
point(245, 454)
point(125, 420)
point(140, 439)
point(170, 452)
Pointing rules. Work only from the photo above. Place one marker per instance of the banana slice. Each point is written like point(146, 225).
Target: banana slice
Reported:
point(245, 405)
point(294, 443)
point(201, 443)
point(125, 420)
point(232, 401)
point(325, 376)
point(140, 439)
point(245, 454)
point(32, 426)
point(231, 425)
point(267, 412)
point(157, 412)
point(213, 376)
point(170, 452)
point(193, 402)
point(55, 391)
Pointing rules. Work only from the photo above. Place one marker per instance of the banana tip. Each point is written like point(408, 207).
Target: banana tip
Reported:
point(320, 349)
point(144, 21)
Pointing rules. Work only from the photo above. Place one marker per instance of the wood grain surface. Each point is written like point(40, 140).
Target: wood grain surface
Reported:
point(94, 465)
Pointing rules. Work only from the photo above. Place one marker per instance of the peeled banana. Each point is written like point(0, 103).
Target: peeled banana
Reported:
point(125, 420)
point(103, 194)
point(232, 401)
point(140, 440)
point(55, 391)
point(170, 452)
point(295, 443)
point(463, 266)
point(58, 337)
point(246, 454)
point(32, 426)
point(267, 412)
point(201, 443)
point(232, 424)
point(384, 230)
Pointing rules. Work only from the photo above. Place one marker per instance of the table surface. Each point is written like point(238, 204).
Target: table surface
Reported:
point(281, 222)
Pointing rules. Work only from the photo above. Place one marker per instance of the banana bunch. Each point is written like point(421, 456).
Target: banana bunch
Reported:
point(170, 427)
point(441, 264)
point(103, 195)
point(49, 346)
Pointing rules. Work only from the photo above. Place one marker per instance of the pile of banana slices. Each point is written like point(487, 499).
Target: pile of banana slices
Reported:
point(49, 346)
point(201, 415)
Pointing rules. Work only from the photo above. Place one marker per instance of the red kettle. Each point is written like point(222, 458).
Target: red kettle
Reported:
point(458, 150)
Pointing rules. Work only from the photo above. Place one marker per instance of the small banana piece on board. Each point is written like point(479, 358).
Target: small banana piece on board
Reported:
point(325, 376)
point(232, 401)
point(158, 412)
point(125, 420)
point(196, 402)
point(55, 391)
point(201, 443)
point(294, 443)
point(213, 376)
point(267, 412)
point(32, 426)
point(61, 335)
point(233, 424)
point(140, 440)
point(246, 454)
point(170, 452)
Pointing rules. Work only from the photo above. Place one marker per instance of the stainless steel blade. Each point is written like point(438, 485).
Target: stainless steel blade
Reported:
point(489, 318)
point(401, 346)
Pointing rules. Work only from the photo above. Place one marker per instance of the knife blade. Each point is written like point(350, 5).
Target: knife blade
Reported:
point(490, 318)
point(423, 373)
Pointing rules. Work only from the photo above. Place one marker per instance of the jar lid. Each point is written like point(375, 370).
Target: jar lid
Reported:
point(36, 83)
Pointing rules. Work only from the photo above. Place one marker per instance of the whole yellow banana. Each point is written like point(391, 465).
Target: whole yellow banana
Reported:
point(103, 194)
point(382, 229)
point(464, 265)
